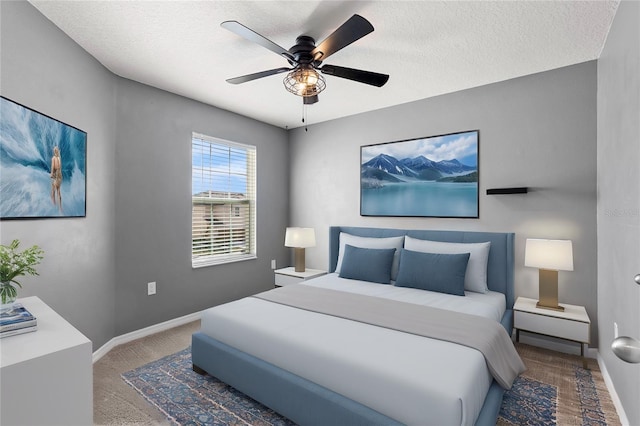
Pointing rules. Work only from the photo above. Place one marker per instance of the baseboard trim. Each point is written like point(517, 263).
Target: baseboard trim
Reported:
point(612, 391)
point(144, 332)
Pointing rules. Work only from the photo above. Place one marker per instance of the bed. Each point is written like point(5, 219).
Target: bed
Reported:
point(329, 363)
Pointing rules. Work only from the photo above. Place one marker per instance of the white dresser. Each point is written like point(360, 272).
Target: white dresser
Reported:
point(46, 377)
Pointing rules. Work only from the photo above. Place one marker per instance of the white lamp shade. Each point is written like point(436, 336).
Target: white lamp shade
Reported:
point(300, 237)
point(555, 255)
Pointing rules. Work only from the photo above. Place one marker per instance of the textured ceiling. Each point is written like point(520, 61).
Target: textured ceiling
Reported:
point(427, 47)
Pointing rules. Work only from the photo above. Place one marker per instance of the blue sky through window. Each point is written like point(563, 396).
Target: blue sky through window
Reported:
point(218, 168)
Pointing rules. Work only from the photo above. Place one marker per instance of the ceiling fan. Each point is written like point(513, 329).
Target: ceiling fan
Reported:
point(306, 59)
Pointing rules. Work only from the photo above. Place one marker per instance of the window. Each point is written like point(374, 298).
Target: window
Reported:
point(223, 215)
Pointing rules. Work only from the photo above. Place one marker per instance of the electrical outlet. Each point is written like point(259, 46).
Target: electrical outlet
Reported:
point(273, 264)
point(615, 330)
point(151, 288)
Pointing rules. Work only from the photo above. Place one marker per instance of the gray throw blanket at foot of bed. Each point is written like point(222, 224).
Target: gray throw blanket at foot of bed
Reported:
point(483, 334)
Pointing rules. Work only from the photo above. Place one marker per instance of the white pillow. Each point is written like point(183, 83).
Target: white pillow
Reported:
point(375, 243)
point(476, 277)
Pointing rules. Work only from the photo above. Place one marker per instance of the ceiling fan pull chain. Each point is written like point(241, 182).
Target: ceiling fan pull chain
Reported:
point(304, 117)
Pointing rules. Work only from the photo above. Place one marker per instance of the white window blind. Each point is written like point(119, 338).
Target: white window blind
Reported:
point(223, 218)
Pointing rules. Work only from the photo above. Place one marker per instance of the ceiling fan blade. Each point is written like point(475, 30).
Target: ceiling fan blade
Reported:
point(247, 33)
point(257, 75)
point(310, 100)
point(366, 77)
point(353, 29)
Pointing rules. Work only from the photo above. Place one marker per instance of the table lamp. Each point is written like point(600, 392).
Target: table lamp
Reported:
point(550, 256)
point(299, 239)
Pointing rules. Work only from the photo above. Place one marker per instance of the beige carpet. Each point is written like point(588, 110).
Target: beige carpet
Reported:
point(116, 403)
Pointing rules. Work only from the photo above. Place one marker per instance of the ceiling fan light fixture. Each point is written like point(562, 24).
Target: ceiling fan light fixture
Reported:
point(304, 81)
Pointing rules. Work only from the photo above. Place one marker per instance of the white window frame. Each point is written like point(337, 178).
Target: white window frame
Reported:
point(213, 196)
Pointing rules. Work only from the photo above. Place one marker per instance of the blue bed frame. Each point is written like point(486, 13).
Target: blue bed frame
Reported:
point(307, 403)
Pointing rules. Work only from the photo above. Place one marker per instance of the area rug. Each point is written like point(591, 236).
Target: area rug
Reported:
point(555, 390)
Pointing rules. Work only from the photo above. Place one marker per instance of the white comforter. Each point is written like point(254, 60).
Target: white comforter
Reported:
point(412, 379)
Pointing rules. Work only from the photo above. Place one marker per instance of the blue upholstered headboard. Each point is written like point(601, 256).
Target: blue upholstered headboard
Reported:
point(501, 255)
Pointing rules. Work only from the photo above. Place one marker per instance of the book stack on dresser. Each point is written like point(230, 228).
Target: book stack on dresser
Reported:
point(17, 320)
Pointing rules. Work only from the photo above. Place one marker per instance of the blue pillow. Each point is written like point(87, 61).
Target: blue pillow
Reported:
point(366, 264)
point(443, 273)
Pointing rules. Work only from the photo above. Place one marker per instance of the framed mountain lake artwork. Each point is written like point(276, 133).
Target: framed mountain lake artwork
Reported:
point(42, 165)
point(435, 176)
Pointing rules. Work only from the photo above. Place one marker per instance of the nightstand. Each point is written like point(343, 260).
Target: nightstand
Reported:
point(286, 276)
point(571, 324)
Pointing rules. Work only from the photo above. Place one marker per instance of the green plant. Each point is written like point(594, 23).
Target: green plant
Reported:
point(15, 264)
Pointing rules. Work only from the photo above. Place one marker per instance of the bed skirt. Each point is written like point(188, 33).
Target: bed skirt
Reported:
point(296, 398)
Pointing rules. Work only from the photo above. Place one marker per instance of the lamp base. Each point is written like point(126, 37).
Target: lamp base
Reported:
point(299, 260)
point(553, 308)
point(548, 290)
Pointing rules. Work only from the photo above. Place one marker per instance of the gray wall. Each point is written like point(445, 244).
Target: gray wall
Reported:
point(537, 131)
point(45, 70)
point(137, 228)
point(153, 206)
point(619, 198)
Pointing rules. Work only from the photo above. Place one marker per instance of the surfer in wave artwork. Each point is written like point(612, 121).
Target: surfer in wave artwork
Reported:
point(56, 177)
point(42, 161)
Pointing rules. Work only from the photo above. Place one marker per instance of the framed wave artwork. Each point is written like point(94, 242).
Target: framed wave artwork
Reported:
point(42, 165)
point(435, 176)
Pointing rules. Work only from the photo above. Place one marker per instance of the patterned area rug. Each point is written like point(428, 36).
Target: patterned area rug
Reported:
point(555, 390)
point(187, 398)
